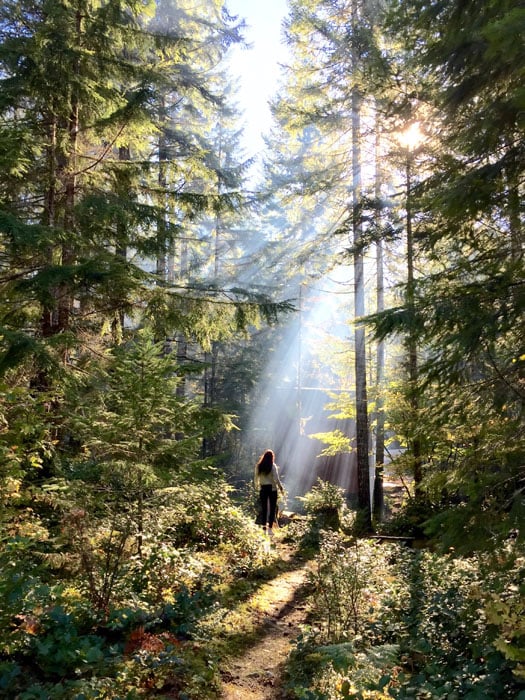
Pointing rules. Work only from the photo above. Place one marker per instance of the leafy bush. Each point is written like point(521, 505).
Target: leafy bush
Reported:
point(342, 671)
point(323, 497)
point(429, 626)
point(60, 648)
point(71, 653)
point(339, 582)
point(204, 516)
point(325, 505)
point(507, 614)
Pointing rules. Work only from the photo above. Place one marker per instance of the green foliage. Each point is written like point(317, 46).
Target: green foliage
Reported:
point(59, 649)
point(63, 656)
point(140, 412)
point(508, 618)
point(326, 507)
point(322, 497)
point(22, 592)
point(341, 671)
point(471, 462)
point(28, 438)
point(504, 607)
point(429, 624)
point(118, 623)
point(202, 515)
point(343, 571)
point(336, 443)
point(100, 554)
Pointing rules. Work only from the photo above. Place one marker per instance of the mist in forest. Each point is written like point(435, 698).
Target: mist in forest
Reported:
point(301, 378)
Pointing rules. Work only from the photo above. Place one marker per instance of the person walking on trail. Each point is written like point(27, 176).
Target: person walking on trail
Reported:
point(266, 480)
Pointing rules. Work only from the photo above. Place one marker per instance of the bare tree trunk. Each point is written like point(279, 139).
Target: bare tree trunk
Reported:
point(209, 445)
point(49, 219)
point(514, 208)
point(378, 499)
point(121, 250)
point(60, 204)
point(69, 175)
point(161, 269)
point(362, 437)
point(411, 341)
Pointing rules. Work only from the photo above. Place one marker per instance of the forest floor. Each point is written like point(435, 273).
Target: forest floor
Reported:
point(256, 673)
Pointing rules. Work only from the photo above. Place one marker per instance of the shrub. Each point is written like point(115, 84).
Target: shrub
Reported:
point(325, 503)
point(425, 625)
point(339, 582)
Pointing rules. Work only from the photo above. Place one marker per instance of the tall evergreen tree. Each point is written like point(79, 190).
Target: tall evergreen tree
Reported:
point(333, 45)
point(73, 94)
point(469, 304)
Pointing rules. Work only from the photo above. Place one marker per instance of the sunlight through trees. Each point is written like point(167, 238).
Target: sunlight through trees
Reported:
point(170, 308)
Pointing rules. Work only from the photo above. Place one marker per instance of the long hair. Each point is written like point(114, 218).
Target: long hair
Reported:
point(265, 463)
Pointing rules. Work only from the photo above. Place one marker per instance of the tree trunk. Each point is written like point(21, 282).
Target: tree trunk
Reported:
point(62, 165)
point(121, 250)
point(411, 340)
point(514, 208)
point(162, 262)
point(378, 499)
point(362, 438)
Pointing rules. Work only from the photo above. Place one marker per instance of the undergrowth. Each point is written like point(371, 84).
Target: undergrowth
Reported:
point(89, 618)
point(391, 622)
point(384, 621)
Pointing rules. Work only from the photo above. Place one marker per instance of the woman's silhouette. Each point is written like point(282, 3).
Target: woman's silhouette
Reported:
point(266, 480)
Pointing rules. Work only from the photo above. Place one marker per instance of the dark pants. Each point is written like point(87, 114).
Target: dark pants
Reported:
point(268, 504)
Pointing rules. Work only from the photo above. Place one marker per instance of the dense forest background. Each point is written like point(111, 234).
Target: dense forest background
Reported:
point(168, 311)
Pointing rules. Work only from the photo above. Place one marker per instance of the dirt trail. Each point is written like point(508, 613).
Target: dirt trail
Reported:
point(256, 675)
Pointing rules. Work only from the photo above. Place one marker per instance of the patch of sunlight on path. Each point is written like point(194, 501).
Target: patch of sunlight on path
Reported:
point(256, 674)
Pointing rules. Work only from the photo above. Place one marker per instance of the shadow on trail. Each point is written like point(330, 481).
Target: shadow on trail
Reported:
point(240, 641)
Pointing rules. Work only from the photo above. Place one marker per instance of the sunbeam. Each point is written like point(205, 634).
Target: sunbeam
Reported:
point(304, 375)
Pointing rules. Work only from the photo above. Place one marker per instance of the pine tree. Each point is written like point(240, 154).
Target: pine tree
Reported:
point(334, 48)
point(138, 432)
point(468, 307)
point(74, 94)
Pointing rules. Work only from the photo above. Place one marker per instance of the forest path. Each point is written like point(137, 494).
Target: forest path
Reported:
point(256, 674)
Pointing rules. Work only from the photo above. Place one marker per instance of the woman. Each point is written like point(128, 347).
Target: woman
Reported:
point(267, 481)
